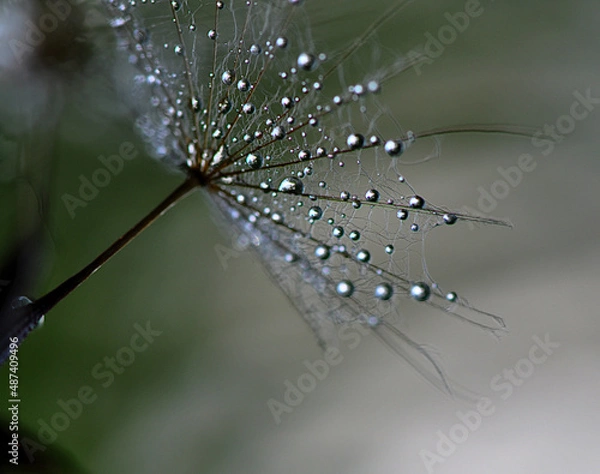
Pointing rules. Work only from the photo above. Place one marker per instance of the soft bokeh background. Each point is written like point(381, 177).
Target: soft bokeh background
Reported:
point(195, 401)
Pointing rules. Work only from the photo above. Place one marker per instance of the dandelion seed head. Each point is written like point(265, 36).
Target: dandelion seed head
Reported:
point(240, 96)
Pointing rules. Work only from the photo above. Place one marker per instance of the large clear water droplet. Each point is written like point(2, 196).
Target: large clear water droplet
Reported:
point(291, 185)
point(254, 160)
point(420, 291)
point(315, 212)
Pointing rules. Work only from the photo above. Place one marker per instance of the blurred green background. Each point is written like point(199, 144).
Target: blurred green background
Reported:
point(196, 399)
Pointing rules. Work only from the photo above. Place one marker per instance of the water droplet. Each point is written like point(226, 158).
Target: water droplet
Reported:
point(394, 147)
point(402, 214)
point(355, 141)
point(323, 252)
point(254, 160)
point(363, 256)
point(373, 86)
point(243, 85)
point(354, 235)
point(196, 104)
point(291, 186)
point(281, 42)
point(389, 249)
point(383, 291)
point(315, 212)
point(357, 89)
point(450, 219)
point(451, 296)
point(338, 232)
point(420, 291)
point(416, 202)
point(304, 155)
point(306, 61)
point(372, 195)
point(373, 321)
point(228, 77)
point(345, 288)
point(224, 106)
point(248, 109)
point(278, 133)
point(118, 22)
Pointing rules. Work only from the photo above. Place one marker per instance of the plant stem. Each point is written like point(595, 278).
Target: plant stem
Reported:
point(20, 321)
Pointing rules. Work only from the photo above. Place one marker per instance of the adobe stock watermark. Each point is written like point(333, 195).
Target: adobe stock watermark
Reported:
point(36, 29)
point(236, 250)
point(503, 385)
point(545, 140)
point(435, 45)
point(316, 371)
point(224, 254)
point(104, 374)
point(89, 188)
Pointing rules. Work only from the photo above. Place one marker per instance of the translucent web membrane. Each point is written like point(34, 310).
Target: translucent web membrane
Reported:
point(237, 92)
